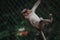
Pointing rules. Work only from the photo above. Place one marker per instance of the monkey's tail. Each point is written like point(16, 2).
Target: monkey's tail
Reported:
point(43, 35)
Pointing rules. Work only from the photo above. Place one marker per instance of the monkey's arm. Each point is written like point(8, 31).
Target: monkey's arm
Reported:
point(35, 5)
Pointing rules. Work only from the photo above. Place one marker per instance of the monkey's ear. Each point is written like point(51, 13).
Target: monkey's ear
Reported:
point(24, 10)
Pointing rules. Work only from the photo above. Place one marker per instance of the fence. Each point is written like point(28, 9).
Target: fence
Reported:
point(11, 18)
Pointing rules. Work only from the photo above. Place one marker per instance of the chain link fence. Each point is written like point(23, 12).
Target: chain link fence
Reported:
point(11, 18)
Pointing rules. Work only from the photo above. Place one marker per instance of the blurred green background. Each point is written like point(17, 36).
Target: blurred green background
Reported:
point(11, 19)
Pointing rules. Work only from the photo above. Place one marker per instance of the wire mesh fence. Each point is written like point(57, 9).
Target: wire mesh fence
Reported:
point(11, 18)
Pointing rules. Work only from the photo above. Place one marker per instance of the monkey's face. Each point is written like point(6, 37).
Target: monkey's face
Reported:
point(26, 14)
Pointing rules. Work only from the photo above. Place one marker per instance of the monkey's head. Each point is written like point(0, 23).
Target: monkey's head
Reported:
point(26, 13)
